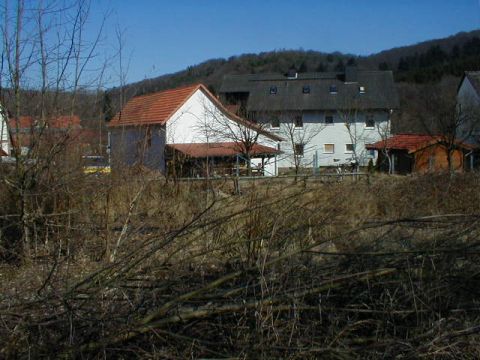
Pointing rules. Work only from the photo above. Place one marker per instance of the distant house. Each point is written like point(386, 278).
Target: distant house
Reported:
point(189, 132)
point(410, 153)
point(468, 106)
point(26, 131)
point(325, 118)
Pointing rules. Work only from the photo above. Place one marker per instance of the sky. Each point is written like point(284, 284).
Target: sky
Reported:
point(163, 36)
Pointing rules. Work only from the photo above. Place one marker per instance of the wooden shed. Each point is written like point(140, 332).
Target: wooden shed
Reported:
point(412, 153)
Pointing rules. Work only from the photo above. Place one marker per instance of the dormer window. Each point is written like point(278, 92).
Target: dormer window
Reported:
point(333, 89)
point(273, 90)
point(361, 89)
point(306, 89)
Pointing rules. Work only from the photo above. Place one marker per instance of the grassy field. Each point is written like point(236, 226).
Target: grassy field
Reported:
point(137, 267)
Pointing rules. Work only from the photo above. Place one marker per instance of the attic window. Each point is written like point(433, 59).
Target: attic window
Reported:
point(273, 90)
point(333, 89)
point(306, 89)
point(361, 89)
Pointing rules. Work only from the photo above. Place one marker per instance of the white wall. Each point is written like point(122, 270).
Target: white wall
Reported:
point(316, 134)
point(200, 121)
point(4, 138)
point(468, 102)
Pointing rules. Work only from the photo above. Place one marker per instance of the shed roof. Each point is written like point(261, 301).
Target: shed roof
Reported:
point(411, 142)
point(224, 149)
point(379, 91)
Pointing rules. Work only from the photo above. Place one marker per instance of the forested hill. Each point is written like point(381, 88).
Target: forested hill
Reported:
point(420, 63)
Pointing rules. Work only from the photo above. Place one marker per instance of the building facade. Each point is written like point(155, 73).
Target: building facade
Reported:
point(325, 118)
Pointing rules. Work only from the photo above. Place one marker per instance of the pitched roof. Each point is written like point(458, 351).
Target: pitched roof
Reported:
point(158, 108)
point(380, 91)
point(225, 149)
point(409, 142)
point(154, 108)
point(474, 78)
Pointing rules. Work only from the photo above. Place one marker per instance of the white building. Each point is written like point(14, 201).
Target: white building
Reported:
point(468, 106)
point(325, 118)
point(155, 130)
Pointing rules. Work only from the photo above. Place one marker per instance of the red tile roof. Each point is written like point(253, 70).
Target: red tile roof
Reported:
point(154, 108)
point(60, 122)
point(409, 142)
point(226, 149)
point(64, 122)
point(24, 122)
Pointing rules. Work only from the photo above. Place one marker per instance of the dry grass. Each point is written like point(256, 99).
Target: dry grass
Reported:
point(138, 267)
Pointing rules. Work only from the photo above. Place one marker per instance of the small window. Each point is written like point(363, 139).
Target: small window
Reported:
point(275, 122)
point(333, 89)
point(328, 148)
point(299, 148)
point(369, 121)
point(328, 119)
point(371, 153)
point(273, 90)
point(298, 121)
point(306, 89)
point(361, 89)
point(349, 148)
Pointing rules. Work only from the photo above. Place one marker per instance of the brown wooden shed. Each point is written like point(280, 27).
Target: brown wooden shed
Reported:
point(412, 153)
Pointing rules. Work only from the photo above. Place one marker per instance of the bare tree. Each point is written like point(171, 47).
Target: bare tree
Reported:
point(243, 133)
point(299, 137)
point(42, 42)
point(440, 116)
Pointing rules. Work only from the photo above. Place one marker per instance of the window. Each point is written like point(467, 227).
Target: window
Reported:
point(361, 89)
point(306, 89)
point(275, 122)
point(329, 119)
point(333, 89)
point(349, 148)
point(369, 121)
point(273, 90)
point(299, 149)
point(298, 121)
point(370, 153)
point(328, 148)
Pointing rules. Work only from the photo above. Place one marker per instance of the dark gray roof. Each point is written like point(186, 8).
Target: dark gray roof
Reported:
point(474, 78)
point(380, 91)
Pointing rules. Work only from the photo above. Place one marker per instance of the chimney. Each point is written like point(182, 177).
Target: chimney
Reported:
point(351, 74)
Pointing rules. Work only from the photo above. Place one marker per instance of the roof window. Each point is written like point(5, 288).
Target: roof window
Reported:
point(333, 89)
point(306, 89)
point(273, 90)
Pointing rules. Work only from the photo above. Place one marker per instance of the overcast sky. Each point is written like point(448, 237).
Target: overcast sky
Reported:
point(166, 36)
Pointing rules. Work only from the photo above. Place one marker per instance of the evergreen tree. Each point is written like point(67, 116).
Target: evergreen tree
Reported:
point(351, 61)
point(321, 67)
point(383, 66)
point(340, 66)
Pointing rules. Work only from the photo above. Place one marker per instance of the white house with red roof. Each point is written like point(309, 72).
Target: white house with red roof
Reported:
point(189, 128)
